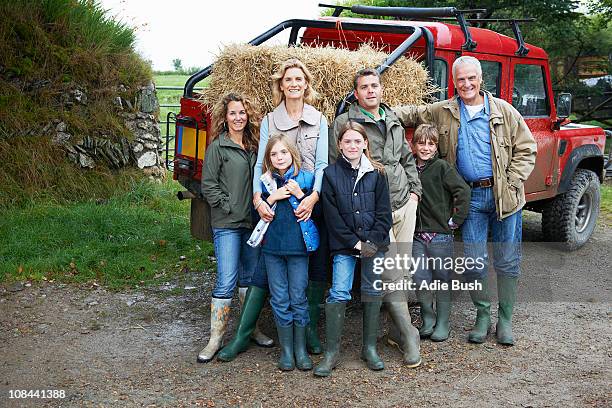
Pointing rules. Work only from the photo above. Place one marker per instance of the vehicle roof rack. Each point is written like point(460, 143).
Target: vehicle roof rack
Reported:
point(415, 12)
point(522, 49)
point(440, 14)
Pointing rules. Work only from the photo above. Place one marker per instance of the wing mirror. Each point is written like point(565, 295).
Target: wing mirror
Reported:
point(564, 105)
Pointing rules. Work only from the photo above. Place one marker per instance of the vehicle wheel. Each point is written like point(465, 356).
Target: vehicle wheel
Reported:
point(570, 217)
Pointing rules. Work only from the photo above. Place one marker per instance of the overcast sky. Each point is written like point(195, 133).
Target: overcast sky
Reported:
point(195, 30)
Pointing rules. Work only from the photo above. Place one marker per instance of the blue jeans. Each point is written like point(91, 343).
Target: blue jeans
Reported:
point(318, 261)
point(431, 259)
point(506, 237)
point(236, 260)
point(342, 280)
point(288, 279)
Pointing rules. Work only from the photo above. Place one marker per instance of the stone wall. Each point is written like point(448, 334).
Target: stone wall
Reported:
point(143, 149)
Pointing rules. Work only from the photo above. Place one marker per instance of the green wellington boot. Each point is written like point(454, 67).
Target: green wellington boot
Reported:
point(506, 293)
point(425, 299)
point(408, 340)
point(443, 309)
point(481, 300)
point(258, 337)
point(315, 293)
point(286, 362)
point(253, 303)
point(371, 316)
point(334, 323)
point(302, 359)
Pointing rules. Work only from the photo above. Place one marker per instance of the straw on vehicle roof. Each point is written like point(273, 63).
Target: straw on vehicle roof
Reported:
point(247, 69)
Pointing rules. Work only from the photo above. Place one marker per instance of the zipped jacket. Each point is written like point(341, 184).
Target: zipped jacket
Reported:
point(391, 149)
point(443, 191)
point(513, 148)
point(226, 183)
point(356, 205)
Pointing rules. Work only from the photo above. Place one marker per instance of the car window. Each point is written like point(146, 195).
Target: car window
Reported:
point(491, 71)
point(529, 90)
point(441, 78)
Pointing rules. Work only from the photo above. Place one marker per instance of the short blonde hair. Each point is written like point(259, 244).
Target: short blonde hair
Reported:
point(293, 151)
point(424, 133)
point(310, 95)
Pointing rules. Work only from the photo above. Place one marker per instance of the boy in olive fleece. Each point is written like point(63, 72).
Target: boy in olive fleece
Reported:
point(443, 191)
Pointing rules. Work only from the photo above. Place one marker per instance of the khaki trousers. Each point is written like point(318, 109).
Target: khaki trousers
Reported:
point(404, 220)
point(401, 234)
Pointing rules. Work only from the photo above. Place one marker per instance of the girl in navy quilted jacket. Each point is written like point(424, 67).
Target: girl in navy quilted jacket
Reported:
point(286, 245)
point(357, 208)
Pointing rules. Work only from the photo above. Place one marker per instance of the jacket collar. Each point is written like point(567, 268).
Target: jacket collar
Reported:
point(344, 162)
point(365, 166)
point(226, 141)
point(357, 115)
point(495, 115)
point(283, 179)
point(431, 161)
point(283, 122)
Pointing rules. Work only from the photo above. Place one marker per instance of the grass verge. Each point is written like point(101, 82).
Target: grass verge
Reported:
point(133, 238)
point(172, 96)
point(606, 203)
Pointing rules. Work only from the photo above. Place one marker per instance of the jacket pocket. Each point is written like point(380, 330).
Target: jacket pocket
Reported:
point(503, 150)
point(510, 198)
point(309, 141)
point(443, 141)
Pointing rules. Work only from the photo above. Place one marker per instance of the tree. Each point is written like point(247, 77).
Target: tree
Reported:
point(178, 64)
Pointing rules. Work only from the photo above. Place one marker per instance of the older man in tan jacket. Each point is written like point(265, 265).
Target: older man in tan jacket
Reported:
point(494, 151)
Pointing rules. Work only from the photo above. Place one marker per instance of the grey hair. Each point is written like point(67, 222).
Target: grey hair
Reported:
point(466, 59)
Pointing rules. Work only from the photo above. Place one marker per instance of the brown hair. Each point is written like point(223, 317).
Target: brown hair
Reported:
point(351, 125)
point(363, 73)
point(310, 95)
point(251, 130)
point(424, 133)
point(293, 151)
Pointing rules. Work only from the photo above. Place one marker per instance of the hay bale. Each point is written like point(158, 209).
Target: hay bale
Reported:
point(247, 69)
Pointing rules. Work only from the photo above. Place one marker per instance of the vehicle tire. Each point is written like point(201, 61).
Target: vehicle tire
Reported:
point(570, 217)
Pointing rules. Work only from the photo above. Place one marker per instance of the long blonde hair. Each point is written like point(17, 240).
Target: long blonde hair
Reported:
point(251, 130)
point(310, 95)
point(293, 151)
point(351, 125)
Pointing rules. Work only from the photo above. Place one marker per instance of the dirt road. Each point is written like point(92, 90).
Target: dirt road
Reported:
point(139, 348)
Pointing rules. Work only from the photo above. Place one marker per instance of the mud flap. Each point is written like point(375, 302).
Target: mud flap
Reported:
point(200, 220)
